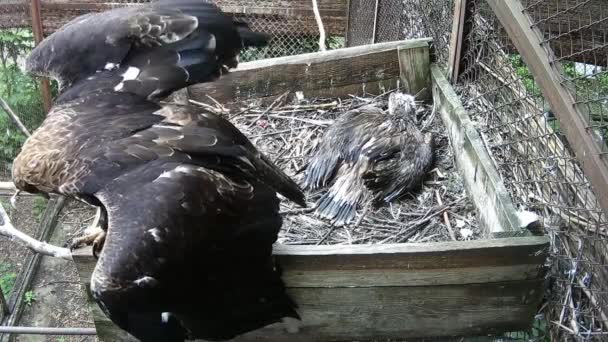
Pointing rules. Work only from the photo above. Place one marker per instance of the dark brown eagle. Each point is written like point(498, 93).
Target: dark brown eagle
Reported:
point(190, 206)
point(369, 153)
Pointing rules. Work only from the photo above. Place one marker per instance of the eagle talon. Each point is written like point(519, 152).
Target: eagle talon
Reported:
point(98, 244)
point(92, 236)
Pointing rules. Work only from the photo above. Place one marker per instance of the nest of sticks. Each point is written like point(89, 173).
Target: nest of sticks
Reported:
point(288, 133)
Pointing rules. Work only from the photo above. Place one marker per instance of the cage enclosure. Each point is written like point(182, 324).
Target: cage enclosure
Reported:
point(372, 290)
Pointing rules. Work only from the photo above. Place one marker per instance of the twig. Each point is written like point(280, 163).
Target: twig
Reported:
point(7, 229)
point(297, 211)
point(14, 117)
point(311, 106)
point(282, 132)
point(207, 107)
point(315, 8)
point(272, 105)
point(594, 302)
point(308, 121)
point(446, 218)
point(331, 230)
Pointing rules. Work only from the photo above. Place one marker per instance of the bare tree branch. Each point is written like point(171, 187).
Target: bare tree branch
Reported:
point(7, 186)
point(14, 117)
point(7, 229)
point(315, 8)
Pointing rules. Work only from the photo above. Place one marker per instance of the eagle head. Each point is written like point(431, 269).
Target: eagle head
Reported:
point(38, 63)
point(401, 104)
point(22, 185)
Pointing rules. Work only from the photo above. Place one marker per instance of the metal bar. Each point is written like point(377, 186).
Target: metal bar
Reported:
point(527, 40)
point(47, 226)
point(4, 305)
point(39, 36)
point(48, 331)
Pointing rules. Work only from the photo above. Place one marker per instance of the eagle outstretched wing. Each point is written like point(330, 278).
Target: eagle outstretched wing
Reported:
point(191, 206)
point(192, 213)
point(341, 143)
point(188, 30)
point(200, 245)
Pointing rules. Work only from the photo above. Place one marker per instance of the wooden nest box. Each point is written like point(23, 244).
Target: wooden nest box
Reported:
point(410, 290)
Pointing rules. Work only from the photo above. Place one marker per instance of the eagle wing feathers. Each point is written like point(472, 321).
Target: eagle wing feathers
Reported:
point(190, 218)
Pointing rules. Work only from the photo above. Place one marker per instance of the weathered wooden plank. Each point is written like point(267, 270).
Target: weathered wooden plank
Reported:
point(361, 313)
point(348, 314)
point(482, 181)
point(456, 38)
point(457, 262)
point(415, 71)
point(45, 85)
point(547, 75)
point(333, 72)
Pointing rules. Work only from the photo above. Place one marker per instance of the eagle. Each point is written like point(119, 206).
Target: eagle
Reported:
point(190, 207)
point(368, 154)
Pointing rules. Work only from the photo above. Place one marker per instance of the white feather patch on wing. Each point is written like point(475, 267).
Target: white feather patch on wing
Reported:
point(155, 232)
point(130, 74)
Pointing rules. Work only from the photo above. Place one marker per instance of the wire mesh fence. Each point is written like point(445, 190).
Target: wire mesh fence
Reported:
point(536, 162)
point(538, 167)
point(19, 91)
point(390, 20)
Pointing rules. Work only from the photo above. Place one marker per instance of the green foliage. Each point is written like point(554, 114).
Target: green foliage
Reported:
point(40, 204)
point(7, 279)
point(20, 91)
point(289, 46)
point(29, 298)
point(525, 75)
point(61, 339)
point(538, 333)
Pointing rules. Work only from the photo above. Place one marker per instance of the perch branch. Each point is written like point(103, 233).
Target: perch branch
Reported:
point(14, 117)
point(7, 229)
point(7, 186)
point(315, 8)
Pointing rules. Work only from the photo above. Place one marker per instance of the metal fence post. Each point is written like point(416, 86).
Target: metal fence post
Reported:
point(39, 36)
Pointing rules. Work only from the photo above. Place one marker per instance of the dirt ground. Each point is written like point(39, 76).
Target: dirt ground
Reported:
point(56, 299)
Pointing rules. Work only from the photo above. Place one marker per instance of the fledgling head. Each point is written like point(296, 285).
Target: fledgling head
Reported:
point(402, 104)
